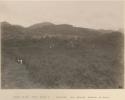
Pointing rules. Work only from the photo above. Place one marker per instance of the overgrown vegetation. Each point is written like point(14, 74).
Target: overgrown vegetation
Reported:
point(54, 62)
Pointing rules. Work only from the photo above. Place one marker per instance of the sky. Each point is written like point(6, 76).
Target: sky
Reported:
point(88, 14)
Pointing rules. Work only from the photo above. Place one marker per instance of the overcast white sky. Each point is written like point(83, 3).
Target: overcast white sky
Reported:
point(99, 15)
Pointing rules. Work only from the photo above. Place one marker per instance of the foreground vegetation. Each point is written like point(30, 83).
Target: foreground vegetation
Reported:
point(54, 62)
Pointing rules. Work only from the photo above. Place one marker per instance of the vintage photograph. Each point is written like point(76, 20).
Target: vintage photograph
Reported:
point(62, 45)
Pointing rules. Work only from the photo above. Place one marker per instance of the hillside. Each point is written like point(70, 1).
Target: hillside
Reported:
point(61, 57)
point(44, 29)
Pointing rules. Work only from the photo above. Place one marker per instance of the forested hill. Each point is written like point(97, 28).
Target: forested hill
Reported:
point(47, 29)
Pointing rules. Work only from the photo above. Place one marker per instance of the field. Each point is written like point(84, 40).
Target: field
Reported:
point(63, 63)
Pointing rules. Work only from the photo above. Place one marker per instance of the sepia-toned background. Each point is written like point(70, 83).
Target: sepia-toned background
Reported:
point(10, 13)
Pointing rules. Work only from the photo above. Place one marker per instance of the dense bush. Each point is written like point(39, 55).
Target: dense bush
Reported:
point(70, 63)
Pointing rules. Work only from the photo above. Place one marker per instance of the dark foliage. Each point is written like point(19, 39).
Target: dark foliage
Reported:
point(86, 59)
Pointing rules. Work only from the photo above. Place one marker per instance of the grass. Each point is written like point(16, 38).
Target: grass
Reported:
point(60, 63)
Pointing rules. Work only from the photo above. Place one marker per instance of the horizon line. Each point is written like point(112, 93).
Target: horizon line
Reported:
point(26, 26)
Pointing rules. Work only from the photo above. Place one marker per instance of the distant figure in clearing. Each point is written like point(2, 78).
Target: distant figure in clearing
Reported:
point(19, 60)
